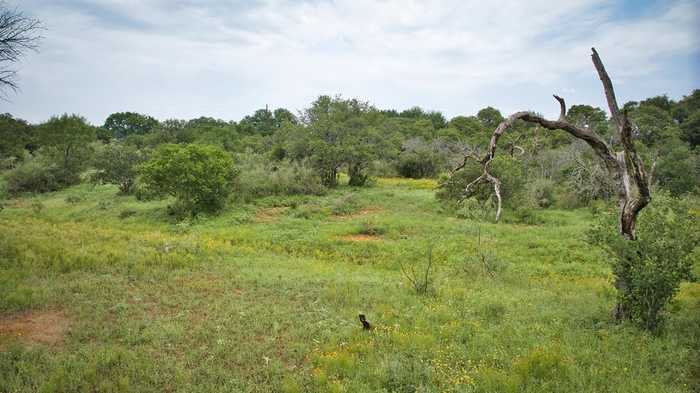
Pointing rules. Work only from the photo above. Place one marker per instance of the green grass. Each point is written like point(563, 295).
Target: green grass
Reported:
point(265, 297)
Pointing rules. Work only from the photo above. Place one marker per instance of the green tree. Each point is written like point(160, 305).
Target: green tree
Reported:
point(691, 129)
point(677, 168)
point(116, 163)
point(588, 117)
point(331, 124)
point(654, 125)
point(123, 124)
point(198, 176)
point(490, 117)
point(65, 141)
point(14, 136)
point(468, 126)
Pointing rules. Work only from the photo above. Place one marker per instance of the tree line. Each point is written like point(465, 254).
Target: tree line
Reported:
point(335, 135)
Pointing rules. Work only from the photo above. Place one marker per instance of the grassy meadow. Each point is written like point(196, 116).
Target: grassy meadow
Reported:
point(265, 298)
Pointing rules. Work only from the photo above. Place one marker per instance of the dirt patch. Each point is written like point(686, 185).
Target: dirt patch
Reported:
point(361, 238)
point(269, 215)
point(45, 327)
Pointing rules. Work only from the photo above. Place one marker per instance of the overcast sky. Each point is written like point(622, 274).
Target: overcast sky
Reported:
point(225, 59)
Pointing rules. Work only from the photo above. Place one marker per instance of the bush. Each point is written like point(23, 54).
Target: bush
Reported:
point(199, 176)
point(419, 159)
point(259, 178)
point(652, 266)
point(34, 175)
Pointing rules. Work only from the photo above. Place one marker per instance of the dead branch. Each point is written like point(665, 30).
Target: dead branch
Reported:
point(625, 168)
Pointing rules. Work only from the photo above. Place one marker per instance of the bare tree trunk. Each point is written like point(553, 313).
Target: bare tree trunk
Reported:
point(625, 168)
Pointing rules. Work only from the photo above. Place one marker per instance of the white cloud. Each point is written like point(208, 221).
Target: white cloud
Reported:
point(224, 59)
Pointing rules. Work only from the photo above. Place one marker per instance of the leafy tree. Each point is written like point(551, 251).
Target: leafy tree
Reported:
point(65, 141)
point(437, 119)
point(691, 129)
point(677, 169)
point(361, 145)
point(468, 126)
point(14, 136)
point(653, 125)
point(266, 122)
point(588, 117)
point(198, 176)
point(116, 163)
point(489, 117)
point(661, 102)
point(333, 125)
point(123, 124)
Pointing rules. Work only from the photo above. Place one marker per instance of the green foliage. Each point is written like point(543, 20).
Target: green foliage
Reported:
point(15, 134)
point(418, 160)
point(588, 117)
point(540, 192)
point(122, 124)
point(65, 145)
point(651, 267)
point(116, 163)
point(490, 118)
point(691, 129)
point(340, 132)
point(198, 176)
point(678, 169)
point(259, 178)
point(508, 170)
point(33, 175)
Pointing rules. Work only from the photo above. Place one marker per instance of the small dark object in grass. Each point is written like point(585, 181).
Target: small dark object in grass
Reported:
point(365, 324)
point(127, 213)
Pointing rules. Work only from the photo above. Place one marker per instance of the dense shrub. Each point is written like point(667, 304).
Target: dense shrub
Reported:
point(258, 177)
point(33, 175)
point(677, 170)
point(419, 159)
point(652, 266)
point(199, 176)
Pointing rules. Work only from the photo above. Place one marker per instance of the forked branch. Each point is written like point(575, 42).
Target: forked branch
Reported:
point(618, 165)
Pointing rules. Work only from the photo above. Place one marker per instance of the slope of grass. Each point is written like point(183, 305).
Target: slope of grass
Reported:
point(265, 298)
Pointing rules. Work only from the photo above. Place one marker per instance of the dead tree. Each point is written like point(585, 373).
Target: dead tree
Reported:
point(624, 167)
point(18, 34)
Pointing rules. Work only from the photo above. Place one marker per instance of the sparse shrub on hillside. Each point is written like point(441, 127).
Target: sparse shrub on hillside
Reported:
point(199, 177)
point(651, 267)
point(420, 274)
point(482, 259)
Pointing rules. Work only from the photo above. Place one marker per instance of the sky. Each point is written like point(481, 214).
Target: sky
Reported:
point(225, 59)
